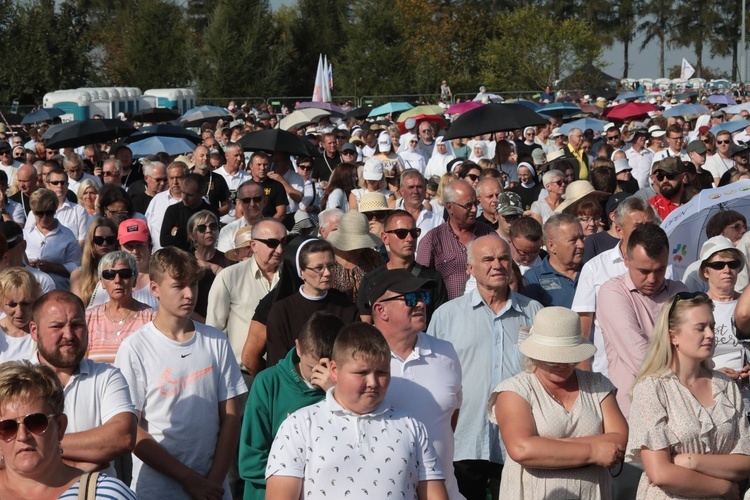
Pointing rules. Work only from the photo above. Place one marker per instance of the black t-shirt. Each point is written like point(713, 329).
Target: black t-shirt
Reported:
point(597, 243)
point(204, 285)
point(275, 196)
point(218, 190)
point(323, 166)
point(133, 176)
point(494, 225)
point(21, 198)
point(174, 226)
point(136, 188)
point(141, 201)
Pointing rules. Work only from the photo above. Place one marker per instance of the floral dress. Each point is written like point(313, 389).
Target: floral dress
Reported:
point(348, 280)
point(666, 415)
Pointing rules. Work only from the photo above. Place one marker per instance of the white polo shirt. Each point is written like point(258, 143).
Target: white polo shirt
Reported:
point(70, 215)
point(59, 246)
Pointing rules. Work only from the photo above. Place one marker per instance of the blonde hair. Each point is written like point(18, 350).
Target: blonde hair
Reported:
point(21, 381)
point(485, 163)
point(445, 179)
point(15, 278)
point(660, 355)
point(89, 276)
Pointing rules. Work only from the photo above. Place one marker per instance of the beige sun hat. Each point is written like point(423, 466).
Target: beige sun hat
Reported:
point(373, 202)
point(242, 239)
point(353, 233)
point(577, 191)
point(556, 337)
point(715, 245)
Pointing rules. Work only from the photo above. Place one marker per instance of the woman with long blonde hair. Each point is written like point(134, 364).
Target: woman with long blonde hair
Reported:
point(690, 431)
point(101, 239)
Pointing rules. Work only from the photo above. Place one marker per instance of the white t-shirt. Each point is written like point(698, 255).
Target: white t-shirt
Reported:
point(337, 199)
point(16, 348)
point(717, 165)
point(177, 387)
point(729, 353)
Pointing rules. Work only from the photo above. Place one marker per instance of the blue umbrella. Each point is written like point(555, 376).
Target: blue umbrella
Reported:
point(152, 145)
point(721, 99)
point(42, 115)
point(566, 109)
point(391, 107)
point(524, 102)
point(583, 124)
point(629, 95)
point(217, 109)
point(686, 109)
point(163, 130)
point(732, 126)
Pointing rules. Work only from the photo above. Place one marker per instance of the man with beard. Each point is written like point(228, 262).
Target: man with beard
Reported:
point(101, 416)
point(670, 173)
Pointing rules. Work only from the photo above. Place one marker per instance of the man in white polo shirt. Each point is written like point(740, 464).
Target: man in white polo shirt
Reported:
point(234, 175)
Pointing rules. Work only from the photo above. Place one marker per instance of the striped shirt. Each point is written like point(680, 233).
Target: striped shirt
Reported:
point(107, 488)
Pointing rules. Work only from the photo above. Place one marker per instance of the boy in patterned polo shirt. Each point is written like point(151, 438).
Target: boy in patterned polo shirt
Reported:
point(354, 444)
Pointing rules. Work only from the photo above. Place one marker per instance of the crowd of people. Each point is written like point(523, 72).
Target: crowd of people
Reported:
point(395, 314)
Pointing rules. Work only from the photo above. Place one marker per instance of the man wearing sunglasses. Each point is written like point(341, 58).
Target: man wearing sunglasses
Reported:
point(101, 416)
point(412, 189)
point(250, 202)
point(174, 226)
point(425, 371)
point(740, 154)
point(722, 161)
point(671, 177)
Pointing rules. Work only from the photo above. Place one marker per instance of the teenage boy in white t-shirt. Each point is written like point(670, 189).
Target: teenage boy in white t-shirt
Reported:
point(184, 382)
point(354, 444)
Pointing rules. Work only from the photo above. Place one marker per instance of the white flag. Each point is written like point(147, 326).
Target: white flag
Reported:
point(319, 92)
point(326, 85)
point(687, 70)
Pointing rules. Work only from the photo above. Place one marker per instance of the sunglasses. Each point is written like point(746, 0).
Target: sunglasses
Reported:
point(42, 213)
point(467, 206)
point(661, 176)
point(723, 142)
point(202, 228)
point(254, 199)
point(347, 153)
point(36, 423)
point(273, 242)
point(560, 182)
point(720, 264)
point(109, 274)
point(375, 215)
point(402, 233)
point(613, 137)
point(57, 183)
point(105, 240)
point(557, 365)
point(737, 226)
point(306, 167)
point(473, 177)
point(412, 298)
point(706, 141)
point(685, 296)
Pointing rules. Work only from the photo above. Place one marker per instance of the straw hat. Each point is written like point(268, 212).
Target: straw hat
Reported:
point(556, 337)
point(242, 239)
point(373, 202)
point(577, 191)
point(353, 233)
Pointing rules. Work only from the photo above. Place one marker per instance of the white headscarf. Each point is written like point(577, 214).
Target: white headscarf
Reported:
point(473, 157)
point(525, 140)
point(438, 164)
point(533, 173)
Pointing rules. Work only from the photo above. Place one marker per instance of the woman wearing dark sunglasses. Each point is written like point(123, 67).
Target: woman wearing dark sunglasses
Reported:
point(689, 430)
point(110, 323)
point(32, 426)
point(101, 238)
point(203, 232)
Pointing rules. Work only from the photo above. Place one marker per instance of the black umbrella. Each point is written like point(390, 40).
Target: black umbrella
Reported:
point(493, 118)
point(359, 113)
point(42, 115)
point(163, 130)
point(276, 140)
point(156, 115)
point(83, 133)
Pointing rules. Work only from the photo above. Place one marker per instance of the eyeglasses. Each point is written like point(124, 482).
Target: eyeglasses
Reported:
point(6, 152)
point(116, 213)
point(412, 298)
point(109, 274)
point(36, 423)
point(723, 142)
point(108, 173)
point(104, 240)
point(159, 180)
point(253, 199)
point(202, 228)
point(402, 233)
point(473, 177)
point(685, 296)
point(587, 220)
point(57, 183)
point(661, 176)
point(44, 213)
point(675, 138)
point(468, 206)
point(737, 226)
point(321, 269)
point(721, 264)
point(380, 214)
point(273, 242)
point(348, 153)
point(706, 141)
point(306, 167)
point(527, 254)
point(560, 182)
point(557, 365)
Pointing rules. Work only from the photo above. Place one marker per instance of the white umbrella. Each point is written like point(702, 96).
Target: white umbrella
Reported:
point(303, 117)
point(686, 225)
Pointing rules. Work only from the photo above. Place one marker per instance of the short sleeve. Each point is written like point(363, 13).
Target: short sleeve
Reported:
point(518, 384)
point(649, 426)
point(115, 397)
point(287, 457)
point(428, 463)
point(598, 384)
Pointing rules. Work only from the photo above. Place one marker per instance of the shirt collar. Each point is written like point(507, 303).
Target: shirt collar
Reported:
point(334, 407)
point(631, 286)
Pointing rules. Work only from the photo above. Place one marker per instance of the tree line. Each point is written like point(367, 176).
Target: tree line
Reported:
point(230, 48)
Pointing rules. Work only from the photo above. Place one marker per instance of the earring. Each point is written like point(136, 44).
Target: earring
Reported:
point(61, 450)
point(2, 459)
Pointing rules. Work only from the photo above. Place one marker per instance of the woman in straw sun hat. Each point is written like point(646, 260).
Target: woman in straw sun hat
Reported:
point(561, 426)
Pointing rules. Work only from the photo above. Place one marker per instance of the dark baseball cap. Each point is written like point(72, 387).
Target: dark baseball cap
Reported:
point(12, 232)
point(696, 146)
point(669, 165)
point(349, 147)
point(397, 281)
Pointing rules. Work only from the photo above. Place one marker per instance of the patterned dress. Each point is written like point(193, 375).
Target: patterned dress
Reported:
point(348, 280)
point(666, 415)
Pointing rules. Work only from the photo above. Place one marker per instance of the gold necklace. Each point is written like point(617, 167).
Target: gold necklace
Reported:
point(118, 323)
point(557, 400)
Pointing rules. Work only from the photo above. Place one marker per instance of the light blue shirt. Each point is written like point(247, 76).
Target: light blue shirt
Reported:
point(487, 348)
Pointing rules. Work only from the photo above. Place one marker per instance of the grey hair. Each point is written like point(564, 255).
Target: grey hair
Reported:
point(411, 172)
point(550, 176)
point(150, 166)
point(118, 257)
point(72, 159)
point(327, 217)
point(575, 129)
point(114, 161)
point(449, 192)
point(486, 180)
point(629, 205)
point(554, 223)
point(201, 215)
point(232, 145)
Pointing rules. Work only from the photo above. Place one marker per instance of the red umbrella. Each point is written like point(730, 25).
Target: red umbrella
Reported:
point(591, 108)
point(629, 111)
point(423, 118)
point(462, 107)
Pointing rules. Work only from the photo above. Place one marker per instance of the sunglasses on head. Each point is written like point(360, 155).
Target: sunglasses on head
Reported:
point(109, 274)
point(105, 240)
point(402, 233)
point(43, 213)
point(660, 176)
point(36, 423)
point(273, 242)
point(720, 264)
point(685, 296)
point(412, 298)
point(202, 228)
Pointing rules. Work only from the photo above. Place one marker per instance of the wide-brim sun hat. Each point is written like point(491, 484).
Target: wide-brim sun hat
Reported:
point(578, 191)
point(242, 239)
point(556, 337)
point(353, 233)
point(715, 245)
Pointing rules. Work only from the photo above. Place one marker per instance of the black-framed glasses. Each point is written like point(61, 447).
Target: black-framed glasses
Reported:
point(721, 264)
point(660, 176)
point(737, 226)
point(349, 153)
point(110, 274)
point(304, 167)
point(274, 242)
point(104, 240)
point(402, 233)
point(36, 423)
point(613, 137)
point(685, 296)
point(473, 177)
point(57, 183)
point(202, 228)
point(117, 213)
point(109, 173)
point(376, 214)
point(723, 142)
point(322, 268)
point(467, 206)
point(44, 213)
point(254, 199)
point(412, 298)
